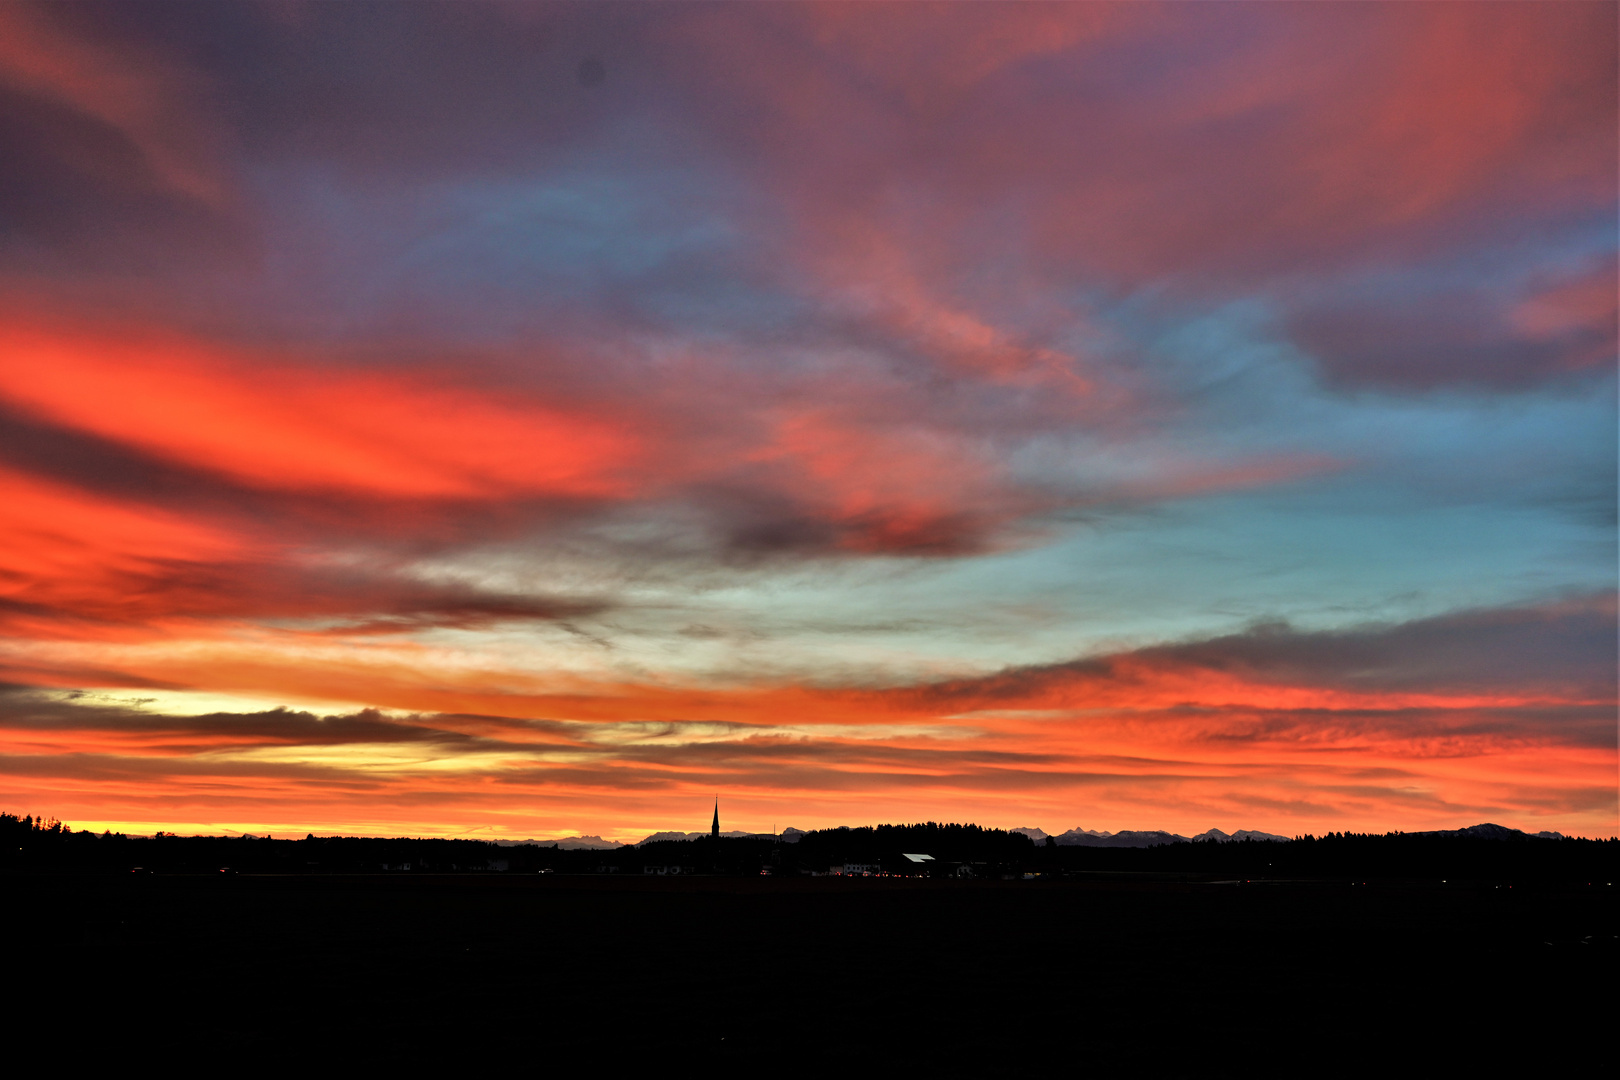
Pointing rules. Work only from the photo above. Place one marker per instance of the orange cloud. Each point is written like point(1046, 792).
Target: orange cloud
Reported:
point(71, 556)
point(1274, 730)
point(277, 423)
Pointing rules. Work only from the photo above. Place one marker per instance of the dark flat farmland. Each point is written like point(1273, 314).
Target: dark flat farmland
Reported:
point(1147, 977)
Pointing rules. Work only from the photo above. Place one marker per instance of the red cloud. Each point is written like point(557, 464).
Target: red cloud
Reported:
point(888, 488)
point(1278, 730)
point(276, 423)
point(145, 100)
point(1579, 316)
point(70, 557)
point(1316, 135)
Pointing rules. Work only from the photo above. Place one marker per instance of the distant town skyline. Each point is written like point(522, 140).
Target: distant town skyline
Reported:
point(512, 421)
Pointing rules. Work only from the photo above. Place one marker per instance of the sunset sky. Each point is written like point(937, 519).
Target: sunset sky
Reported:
point(536, 420)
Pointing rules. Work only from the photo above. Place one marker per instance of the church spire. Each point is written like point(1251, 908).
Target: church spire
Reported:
point(714, 830)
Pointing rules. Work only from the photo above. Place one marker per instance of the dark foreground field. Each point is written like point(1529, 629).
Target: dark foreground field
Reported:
point(1109, 976)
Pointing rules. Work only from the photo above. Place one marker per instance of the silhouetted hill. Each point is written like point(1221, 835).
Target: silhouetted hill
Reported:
point(1493, 832)
point(929, 849)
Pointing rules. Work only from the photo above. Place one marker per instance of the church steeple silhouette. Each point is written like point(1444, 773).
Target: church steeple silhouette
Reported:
point(714, 830)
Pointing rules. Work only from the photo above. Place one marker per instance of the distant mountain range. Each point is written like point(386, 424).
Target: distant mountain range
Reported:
point(1077, 837)
point(1148, 838)
point(568, 843)
point(1141, 838)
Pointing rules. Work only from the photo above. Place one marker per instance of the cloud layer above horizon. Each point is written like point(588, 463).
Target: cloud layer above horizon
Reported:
point(512, 420)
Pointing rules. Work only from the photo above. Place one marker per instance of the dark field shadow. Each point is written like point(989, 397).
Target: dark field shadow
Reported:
point(797, 974)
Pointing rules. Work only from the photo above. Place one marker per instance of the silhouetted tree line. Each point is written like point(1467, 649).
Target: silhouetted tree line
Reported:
point(28, 842)
point(958, 850)
point(943, 841)
point(1356, 855)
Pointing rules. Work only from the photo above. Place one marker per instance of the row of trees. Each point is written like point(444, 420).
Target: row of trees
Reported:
point(27, 842)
